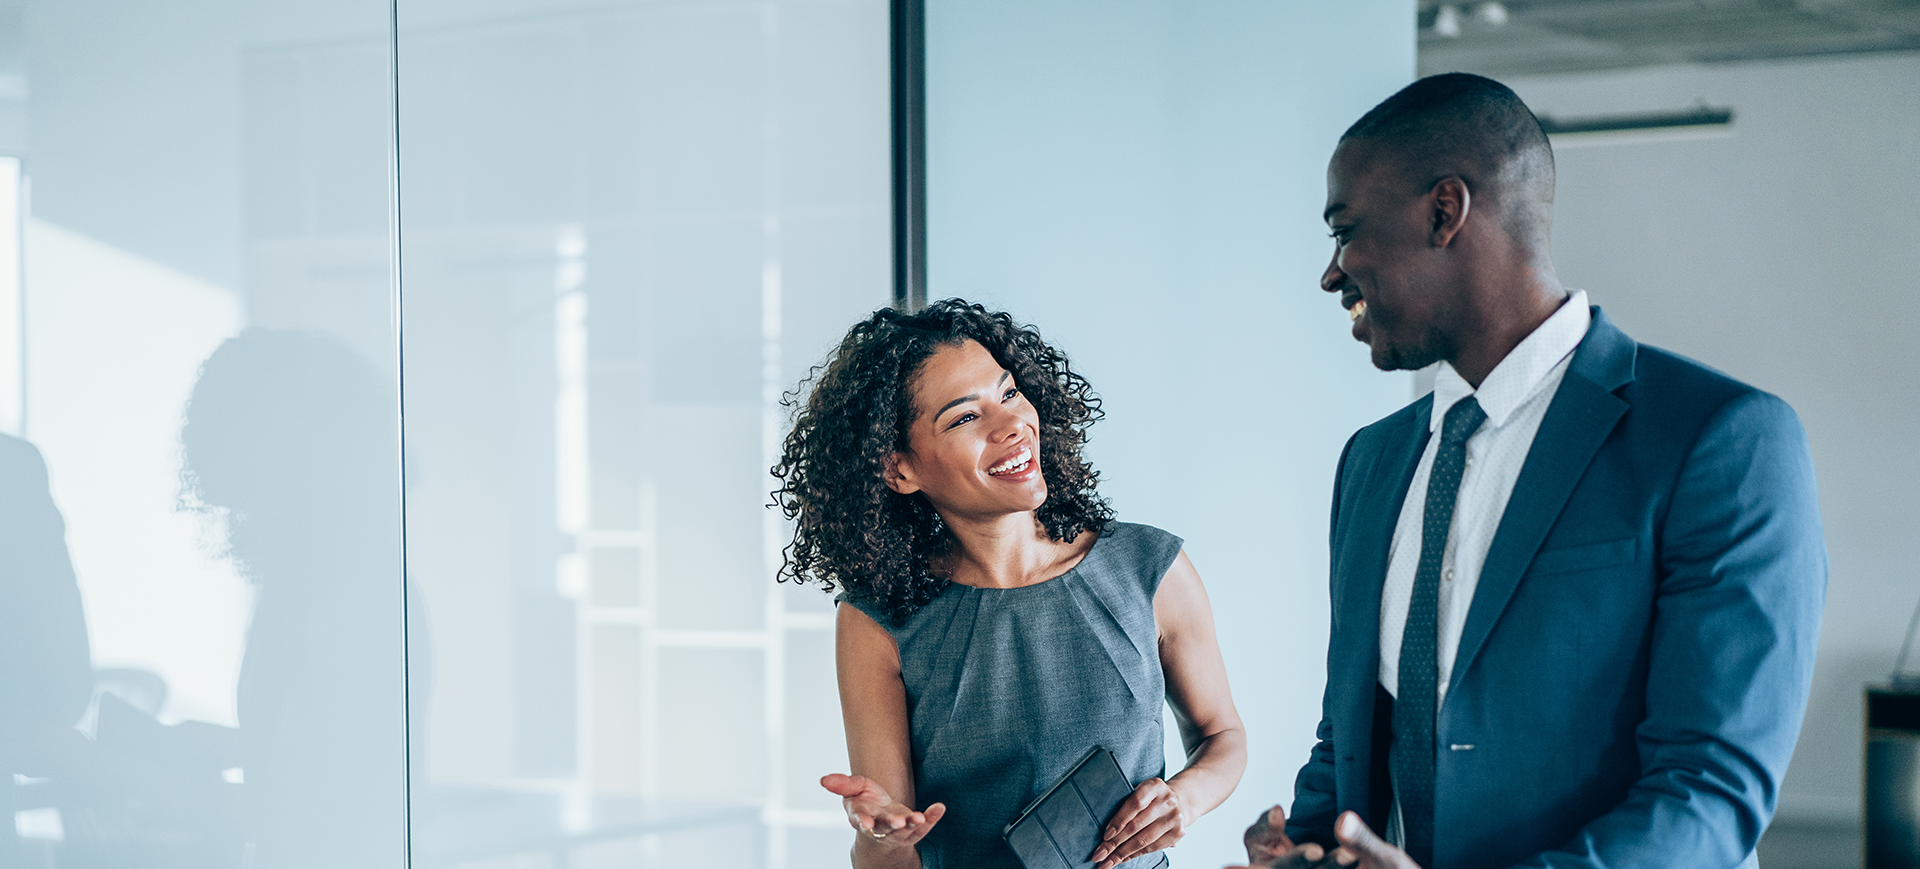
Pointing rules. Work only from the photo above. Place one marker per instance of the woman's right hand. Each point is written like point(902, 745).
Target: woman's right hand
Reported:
point(879, 817)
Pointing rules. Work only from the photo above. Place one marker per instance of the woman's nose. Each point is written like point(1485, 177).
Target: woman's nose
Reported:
point(1006, 427)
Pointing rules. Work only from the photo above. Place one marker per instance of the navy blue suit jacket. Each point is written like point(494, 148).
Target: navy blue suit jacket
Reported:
point(1635, 663)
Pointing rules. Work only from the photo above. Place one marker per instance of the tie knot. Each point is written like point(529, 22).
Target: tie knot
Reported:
point(1463, 419)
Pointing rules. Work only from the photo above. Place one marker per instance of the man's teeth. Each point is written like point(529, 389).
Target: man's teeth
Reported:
point(1359, 308)
point(1019, 461)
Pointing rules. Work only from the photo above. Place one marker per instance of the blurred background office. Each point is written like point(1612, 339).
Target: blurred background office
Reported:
point(388, 388)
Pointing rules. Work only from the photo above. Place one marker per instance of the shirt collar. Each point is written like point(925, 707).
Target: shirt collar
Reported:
point(1523, 372)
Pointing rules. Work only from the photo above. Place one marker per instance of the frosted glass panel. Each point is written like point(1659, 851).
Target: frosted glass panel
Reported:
point(628, 227)
point(202, 664)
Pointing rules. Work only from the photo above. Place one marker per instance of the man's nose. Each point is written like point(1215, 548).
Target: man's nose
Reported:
point(1333, 277)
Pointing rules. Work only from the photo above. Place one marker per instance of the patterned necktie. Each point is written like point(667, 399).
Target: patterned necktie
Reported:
point(1417, 701)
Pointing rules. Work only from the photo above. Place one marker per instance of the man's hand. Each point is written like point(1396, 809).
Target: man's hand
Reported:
point(1269, 848)
point(1367, 850)
point(878, 816)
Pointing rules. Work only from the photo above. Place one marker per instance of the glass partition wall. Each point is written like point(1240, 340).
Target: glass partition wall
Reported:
point(627, 228)
point(387, 392)
point(200, 560)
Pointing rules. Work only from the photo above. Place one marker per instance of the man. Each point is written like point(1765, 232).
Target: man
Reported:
point(1576, 590)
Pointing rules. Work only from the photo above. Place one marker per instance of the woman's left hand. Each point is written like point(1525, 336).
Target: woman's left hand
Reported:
point(1152, 819)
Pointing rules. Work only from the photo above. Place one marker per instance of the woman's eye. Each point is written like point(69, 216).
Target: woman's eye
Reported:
point(1010, 394)
point(962, 418)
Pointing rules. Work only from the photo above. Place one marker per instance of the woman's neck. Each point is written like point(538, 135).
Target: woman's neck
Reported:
point(1007, 552)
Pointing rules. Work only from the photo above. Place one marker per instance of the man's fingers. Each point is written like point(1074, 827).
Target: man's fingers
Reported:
point(1356, 837)
point(1267, 838)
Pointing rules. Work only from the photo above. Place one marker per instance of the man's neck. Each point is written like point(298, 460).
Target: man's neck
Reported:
point(1504, 326)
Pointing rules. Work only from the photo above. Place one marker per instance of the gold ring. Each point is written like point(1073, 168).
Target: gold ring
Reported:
point(876, 834)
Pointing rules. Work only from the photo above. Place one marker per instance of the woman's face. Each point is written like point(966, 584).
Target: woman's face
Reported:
point(974, 449)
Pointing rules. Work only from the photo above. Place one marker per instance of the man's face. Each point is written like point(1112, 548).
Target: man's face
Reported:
point(1385, 268)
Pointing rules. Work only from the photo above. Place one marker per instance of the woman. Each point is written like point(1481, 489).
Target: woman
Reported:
point(1000, 623)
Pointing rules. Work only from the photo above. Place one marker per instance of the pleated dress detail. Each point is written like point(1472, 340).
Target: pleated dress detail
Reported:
point(1007, 688)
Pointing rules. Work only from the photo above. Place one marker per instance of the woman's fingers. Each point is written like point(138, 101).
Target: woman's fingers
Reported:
point(901, 828)
point(1129, 817)
point(875, 814)
point(1149, 814)
point(1161, 834)
point(845, 785)
point(912, 835)
point(868, 807)
point(1126, 819)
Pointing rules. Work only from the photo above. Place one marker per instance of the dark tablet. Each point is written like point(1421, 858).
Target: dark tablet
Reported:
point(1061, 828)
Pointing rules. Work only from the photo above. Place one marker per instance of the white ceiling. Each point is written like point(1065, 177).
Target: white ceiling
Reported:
point(1547, 36)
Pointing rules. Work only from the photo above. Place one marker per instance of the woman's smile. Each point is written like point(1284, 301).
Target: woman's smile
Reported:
point(1019, 466)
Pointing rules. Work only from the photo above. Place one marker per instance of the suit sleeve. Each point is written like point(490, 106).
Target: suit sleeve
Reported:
point(1314, 803)
point(1742, 581)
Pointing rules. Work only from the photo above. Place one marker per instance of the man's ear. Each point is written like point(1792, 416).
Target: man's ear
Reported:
point(899, 474)
point(1451, 201)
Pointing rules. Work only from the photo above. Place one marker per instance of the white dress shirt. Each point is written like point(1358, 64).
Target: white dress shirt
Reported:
point(1515, 397)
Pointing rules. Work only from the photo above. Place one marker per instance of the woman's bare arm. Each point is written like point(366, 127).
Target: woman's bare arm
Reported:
point(879, 796)
point(1158, 813)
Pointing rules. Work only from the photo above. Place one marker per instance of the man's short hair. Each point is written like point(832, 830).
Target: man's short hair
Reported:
point(1462, 124)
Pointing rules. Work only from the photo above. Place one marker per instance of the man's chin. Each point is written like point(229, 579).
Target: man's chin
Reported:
point(1389, 358)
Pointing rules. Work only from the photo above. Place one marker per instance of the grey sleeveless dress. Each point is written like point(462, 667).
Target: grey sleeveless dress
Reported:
point(1007, 688)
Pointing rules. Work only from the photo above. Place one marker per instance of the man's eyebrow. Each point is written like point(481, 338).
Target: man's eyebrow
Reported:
point(971, 396)
point(1333, 209)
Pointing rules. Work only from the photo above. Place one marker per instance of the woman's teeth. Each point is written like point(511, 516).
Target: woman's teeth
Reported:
point(1017, 463)
point(1359, 309)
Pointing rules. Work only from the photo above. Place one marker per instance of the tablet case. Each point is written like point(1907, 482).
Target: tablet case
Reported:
point(1061, 828)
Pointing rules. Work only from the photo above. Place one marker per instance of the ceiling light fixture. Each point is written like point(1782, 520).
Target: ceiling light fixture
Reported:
point(1446, 22)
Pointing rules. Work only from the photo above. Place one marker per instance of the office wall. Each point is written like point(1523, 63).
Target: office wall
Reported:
point(1785, 251)
point(1143, 181)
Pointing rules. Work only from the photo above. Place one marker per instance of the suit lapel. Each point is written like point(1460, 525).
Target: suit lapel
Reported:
point(1363, 536)
point(1376, 512)
point(1582, 415)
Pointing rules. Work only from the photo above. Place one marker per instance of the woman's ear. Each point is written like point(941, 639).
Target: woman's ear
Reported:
point(899, 474)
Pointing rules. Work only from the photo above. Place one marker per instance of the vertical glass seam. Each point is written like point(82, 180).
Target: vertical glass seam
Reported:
point(394, 252)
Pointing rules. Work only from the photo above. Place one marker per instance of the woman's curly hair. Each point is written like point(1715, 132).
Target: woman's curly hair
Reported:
point(856, 534)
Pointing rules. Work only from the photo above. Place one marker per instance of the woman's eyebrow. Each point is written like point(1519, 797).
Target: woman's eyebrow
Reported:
point(971, 396)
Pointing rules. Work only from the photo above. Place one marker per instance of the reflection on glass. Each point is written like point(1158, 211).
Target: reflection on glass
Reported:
point(628, 227)
point(289, 443)
point(199, 481)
